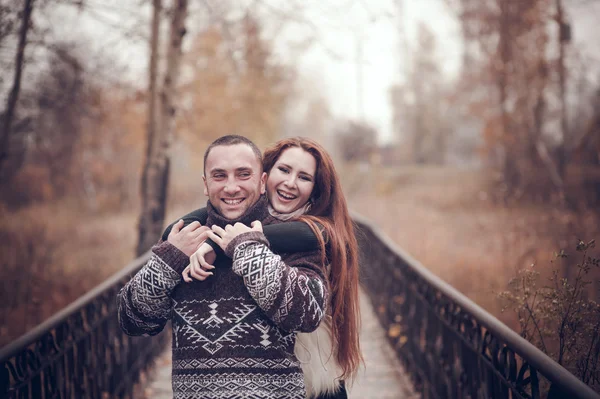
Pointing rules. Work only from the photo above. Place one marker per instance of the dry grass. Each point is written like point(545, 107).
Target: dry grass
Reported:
point(51, 255)
point(446, 219)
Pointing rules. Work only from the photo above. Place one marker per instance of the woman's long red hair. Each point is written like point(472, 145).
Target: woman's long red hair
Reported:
point(329, 209)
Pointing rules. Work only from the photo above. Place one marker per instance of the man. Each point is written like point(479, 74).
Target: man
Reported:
point(233, 334)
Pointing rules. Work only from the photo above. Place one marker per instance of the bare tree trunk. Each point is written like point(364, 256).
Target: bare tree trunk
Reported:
point(148, 199)
point(564, 35)
point(13, 96)
point(156, 172)
point(510, 171)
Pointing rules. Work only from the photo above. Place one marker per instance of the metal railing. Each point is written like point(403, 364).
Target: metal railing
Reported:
point(81, 351)
point(450, 346)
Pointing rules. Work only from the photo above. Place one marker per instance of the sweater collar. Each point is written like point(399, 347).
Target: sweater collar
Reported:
point(258, 211)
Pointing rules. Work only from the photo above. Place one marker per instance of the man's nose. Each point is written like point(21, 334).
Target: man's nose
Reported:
point(231, 187)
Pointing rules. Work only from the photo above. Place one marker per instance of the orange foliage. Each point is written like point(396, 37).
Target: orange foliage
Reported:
point(235, 86)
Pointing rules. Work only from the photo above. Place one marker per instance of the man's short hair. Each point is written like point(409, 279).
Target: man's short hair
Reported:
point(233, 139)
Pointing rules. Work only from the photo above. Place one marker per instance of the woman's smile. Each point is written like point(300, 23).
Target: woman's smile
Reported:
point(291, 180)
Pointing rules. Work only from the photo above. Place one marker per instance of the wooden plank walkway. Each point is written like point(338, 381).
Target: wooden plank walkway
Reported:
point(382, 377)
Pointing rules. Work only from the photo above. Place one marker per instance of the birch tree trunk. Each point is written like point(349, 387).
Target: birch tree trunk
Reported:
point(13, 96)
point(161, 123)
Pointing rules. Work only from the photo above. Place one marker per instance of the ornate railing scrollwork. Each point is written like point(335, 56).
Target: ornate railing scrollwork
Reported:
point(449, 346)
point(80, 352)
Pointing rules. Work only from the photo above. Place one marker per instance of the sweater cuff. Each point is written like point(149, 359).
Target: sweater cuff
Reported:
point(254, 236)
point(172, 256)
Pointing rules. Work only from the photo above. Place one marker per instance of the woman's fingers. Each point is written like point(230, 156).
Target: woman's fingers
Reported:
point(205, 265)
point(186, 275)
point(196, 269)
point(217, 239)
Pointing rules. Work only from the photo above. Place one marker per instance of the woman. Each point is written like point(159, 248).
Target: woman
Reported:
point(303, 185)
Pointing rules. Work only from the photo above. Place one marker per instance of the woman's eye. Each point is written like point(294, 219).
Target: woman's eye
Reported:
point(306, 178)
point(284, 170)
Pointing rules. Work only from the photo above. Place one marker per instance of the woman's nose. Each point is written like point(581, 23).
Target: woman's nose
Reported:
point(290, 182)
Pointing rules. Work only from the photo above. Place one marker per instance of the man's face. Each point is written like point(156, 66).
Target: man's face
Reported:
point(232, 179)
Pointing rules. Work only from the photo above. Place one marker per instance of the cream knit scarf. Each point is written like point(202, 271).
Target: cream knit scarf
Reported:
point(287, 216)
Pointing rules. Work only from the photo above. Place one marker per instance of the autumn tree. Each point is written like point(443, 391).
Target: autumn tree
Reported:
point(356, 141)
point(520, 53)
point(15, 91)
point(310, 116)
point(419, 105)
point(235, 85)
point(73, 136)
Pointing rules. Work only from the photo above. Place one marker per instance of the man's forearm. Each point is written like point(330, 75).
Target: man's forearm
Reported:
point(145, 303)
point(293, 297)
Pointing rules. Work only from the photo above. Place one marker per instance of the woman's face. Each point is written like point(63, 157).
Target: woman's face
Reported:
point(291, 180)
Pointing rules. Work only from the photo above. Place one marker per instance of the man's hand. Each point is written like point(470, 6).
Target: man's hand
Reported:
point(200, 262)
point(188, 239)
point(222, 237)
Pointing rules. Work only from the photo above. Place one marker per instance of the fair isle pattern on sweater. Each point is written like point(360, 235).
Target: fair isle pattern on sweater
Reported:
point(148, 303)
point(240, 386)
point(265, 276)
point(226, 343)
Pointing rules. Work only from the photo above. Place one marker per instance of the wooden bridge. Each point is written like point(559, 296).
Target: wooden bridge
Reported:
point(421, 338)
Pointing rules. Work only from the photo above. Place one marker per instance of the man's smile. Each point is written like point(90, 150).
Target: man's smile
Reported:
point(233, 201)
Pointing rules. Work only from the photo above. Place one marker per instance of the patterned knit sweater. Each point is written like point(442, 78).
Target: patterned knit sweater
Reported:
point(234, 333)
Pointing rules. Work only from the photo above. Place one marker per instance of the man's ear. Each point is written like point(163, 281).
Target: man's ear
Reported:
point(263, 183)
point(205, 186)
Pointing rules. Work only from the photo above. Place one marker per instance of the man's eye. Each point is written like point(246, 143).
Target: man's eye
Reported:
point(245, 174)
point(219, 176)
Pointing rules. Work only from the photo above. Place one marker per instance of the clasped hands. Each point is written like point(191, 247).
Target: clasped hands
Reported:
point(201, 261)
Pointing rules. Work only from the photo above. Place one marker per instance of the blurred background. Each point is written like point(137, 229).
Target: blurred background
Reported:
point(468, 130)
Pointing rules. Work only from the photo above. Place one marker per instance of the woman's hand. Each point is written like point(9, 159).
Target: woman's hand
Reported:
point(200, 262)
point(222, 237)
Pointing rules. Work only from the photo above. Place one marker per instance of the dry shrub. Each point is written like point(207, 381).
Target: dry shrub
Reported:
point(558, 316)
point(51, 255)
point(28, 253)
point(30, 184)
